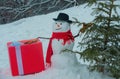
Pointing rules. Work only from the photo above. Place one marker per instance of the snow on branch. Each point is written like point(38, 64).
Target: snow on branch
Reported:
point(6, 8)
point(54, 3)
point(72, 1)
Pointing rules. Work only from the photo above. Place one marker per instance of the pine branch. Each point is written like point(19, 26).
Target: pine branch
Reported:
point(101, 41)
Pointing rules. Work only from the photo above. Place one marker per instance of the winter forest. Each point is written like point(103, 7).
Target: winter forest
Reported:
point(16, 9)
point(96, 30)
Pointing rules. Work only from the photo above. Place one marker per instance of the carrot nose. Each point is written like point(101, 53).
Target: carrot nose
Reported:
point(58, 25)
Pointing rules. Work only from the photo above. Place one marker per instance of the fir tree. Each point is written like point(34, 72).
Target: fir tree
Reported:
point(101, 42)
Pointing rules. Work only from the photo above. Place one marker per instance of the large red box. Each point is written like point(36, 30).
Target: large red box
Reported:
point(26, 58)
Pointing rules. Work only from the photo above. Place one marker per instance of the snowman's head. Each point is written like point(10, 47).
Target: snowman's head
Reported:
point(62, 23)
point(61, 26)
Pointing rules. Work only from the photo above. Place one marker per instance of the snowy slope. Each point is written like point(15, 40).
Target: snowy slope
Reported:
point(36, 26)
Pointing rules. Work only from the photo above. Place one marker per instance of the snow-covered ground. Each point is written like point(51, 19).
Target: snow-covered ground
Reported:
point(36, 26)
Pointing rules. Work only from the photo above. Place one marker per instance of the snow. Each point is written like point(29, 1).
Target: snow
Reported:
point(36, 26)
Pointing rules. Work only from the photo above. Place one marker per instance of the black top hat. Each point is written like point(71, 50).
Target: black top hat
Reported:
point(63, 17)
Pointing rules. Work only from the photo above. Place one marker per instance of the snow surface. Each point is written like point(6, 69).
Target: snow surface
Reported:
point(36, 26)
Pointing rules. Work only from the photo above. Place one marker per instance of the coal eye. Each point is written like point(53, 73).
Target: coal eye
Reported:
point(55, 23)
point(60, 23)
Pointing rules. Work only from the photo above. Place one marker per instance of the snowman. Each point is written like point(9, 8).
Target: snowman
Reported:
point(62, 39)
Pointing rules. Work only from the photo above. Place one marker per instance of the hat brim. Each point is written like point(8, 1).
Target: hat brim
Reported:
point(69, 21)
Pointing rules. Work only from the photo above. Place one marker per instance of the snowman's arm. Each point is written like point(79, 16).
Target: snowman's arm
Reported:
point(77, 35)
point(84, 28)
point(43, 37)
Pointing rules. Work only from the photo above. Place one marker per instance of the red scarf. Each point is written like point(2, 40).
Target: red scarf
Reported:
point(60, 35)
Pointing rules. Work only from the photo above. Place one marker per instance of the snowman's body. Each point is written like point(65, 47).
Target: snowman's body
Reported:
point(60, 59)
point(57, 44)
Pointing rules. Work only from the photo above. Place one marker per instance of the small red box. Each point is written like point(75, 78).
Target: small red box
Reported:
point(26, 58)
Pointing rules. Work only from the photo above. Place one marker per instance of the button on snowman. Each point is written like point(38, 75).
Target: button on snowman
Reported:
point(61, 39)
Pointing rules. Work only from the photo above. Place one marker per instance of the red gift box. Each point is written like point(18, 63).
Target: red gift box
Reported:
point(26, 58)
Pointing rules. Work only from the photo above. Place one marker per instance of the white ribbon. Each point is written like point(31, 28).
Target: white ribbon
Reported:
point(19, 57)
